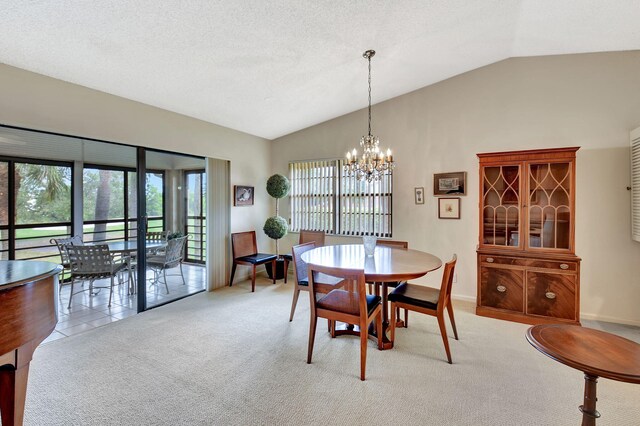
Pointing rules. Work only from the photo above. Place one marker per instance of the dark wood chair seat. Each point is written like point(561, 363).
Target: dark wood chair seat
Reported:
point(344, 301)
point(245, 252)
point(258, 258)
point(417, 295)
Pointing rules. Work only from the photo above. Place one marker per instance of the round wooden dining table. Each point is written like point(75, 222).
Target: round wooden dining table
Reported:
point(386, 265)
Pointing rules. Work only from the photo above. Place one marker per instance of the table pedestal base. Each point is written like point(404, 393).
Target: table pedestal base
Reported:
point(588, 410)
point(351, 330)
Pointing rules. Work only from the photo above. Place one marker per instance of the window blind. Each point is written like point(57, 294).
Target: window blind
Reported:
point(325, 198)
point(312, 195)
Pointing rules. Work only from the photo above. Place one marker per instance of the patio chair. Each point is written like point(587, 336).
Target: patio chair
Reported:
point(170, 258)
point(62, 244)
point(92, 263)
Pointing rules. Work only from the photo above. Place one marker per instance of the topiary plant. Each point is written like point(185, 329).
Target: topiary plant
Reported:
point(276, 226)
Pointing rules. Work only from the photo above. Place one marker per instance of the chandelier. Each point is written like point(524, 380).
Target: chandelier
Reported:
point(373, 163)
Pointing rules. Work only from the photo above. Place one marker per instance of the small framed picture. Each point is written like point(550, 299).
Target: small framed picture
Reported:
point(419, 195)
point(448, 208)
point(450, 183)
point(242, 195)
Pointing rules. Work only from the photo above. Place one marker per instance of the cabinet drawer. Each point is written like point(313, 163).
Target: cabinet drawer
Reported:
point(502, 288)
point(501, 260)
point(551, 294)
point(555, 265)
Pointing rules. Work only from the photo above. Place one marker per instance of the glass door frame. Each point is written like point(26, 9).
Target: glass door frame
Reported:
point(202, 217)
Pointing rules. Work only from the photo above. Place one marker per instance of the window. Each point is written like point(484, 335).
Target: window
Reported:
point(325, 198)
point(35, 206)
point(110, 198)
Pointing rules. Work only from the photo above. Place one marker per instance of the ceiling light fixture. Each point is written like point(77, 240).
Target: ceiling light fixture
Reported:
point(373, 164)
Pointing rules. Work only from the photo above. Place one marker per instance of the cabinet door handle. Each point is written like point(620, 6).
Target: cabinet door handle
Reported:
point(550, 295)
point(564, 266)
point(490, 259)
point(501, 288)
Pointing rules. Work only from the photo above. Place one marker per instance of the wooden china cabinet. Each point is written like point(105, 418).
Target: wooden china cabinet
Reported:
point(527, 267)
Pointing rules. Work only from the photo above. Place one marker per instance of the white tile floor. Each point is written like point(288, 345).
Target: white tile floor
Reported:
point(91, 311)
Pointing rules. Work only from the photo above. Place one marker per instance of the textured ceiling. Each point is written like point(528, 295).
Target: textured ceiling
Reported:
point(271, 67)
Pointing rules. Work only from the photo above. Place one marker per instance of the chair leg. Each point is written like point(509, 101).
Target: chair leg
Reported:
point(286, 270)
point(406, 318)
point(379, 330)
point(296, 293)
point(392, 322)
point(253, 278)
point(233, 272)
point(445, 338)
point(111, 291)
point(164, 274)
point(182, 275)
point(312, 335)
point(453, 321)
point(71, 293)
point(273, 270)
point(364, 337)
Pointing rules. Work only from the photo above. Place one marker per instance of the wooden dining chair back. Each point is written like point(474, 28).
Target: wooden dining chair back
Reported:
point(427, 300)
point(349, 304)
point(300, 272)
point(324, 283)
point(393, 243)
point(245, 252)
point(309, 236)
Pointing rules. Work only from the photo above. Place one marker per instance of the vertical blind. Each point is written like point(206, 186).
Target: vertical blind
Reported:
point(324, 197)
point(635, 185)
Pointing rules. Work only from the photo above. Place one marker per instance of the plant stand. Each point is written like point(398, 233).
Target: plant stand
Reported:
point(282, 269)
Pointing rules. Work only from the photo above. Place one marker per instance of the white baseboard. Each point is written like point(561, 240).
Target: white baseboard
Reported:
point(605, 318)
point(471, 299)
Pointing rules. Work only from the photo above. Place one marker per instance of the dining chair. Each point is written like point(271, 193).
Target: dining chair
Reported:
point(93, 262)
point(427, 300)
point(324, 283)
point(245, 252)
point(62, 244)
point(171, 257)
point(308, 236)
point(156, 237)
point(404, 245)
point(350, 304)
point(304, 237)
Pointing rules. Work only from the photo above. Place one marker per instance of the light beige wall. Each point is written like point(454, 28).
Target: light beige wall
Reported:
point(42, 103)
point(587, 100)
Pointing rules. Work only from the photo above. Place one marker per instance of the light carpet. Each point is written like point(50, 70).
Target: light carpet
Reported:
point(232, 357)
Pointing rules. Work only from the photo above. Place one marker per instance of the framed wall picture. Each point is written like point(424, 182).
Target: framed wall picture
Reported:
point(450, 183)
point(448, 208)
point(242, 195)
point(419, 195)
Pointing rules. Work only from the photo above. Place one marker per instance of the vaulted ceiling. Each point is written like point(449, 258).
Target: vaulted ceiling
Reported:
point(271, 67)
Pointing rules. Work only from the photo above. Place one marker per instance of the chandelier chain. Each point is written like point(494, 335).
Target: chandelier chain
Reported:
point(369, 58)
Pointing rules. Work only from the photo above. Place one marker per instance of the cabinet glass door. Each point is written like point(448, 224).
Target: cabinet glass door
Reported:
point(549, 205)
point(501, 206)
